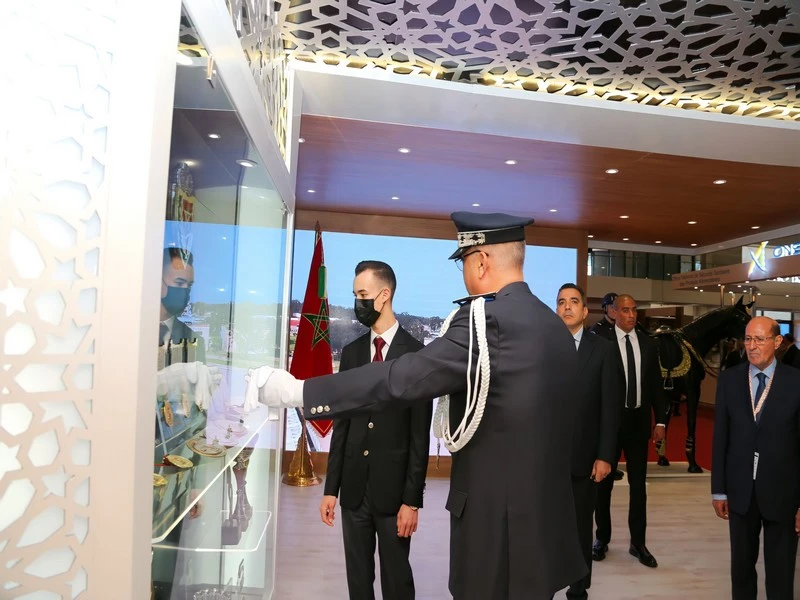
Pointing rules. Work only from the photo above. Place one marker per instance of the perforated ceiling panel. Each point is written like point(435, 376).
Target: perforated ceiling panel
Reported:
point(731, 56)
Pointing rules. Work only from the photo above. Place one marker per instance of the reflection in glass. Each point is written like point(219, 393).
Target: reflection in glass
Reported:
point(222, 278)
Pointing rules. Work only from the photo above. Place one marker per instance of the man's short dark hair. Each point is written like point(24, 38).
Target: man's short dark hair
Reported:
point(172, 253)
point(381, 271)
point(789, 338)
point(574, 286)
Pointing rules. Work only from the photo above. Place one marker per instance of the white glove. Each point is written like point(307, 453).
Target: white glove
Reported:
point(273, 387)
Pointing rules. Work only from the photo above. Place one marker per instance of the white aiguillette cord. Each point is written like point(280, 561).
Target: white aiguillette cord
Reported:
point(477, 391)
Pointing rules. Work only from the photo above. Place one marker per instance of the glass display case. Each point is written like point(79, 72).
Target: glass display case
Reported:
point(216, 457)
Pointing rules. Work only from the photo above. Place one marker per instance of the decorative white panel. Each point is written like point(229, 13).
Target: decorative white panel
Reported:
point(57, 59)
point(736, 57)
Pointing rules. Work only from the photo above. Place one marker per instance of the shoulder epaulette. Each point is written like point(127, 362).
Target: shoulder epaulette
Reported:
point(467, 299)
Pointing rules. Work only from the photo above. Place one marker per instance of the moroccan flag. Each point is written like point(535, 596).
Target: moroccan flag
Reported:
point(312, 349)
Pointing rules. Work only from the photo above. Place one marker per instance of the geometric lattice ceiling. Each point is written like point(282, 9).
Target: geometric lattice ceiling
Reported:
point(738, 57)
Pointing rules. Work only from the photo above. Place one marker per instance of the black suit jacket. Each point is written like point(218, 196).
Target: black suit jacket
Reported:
point(653, 398)
point(776, 438)
point(397, 443)
point(601, 394)
point(496, 510)
point(792, 357)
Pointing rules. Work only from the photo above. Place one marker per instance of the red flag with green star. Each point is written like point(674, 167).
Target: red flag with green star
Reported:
point(312, 349)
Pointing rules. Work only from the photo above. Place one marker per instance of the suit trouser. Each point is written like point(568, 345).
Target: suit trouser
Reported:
point(584, 491)
point(780, 553)
point(360, 527)
point(634, 444)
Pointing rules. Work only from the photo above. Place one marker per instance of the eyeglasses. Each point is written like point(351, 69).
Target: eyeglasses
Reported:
point(460, 261)
point(757, 340)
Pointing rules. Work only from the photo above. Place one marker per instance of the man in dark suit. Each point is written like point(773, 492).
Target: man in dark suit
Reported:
point(735, 356)
point(596, 423)
point(755, 479)
point(605, 326)
point(511, 536)
point(644, 398)
point(377, 462)
point(788, 351)
point(177, 279)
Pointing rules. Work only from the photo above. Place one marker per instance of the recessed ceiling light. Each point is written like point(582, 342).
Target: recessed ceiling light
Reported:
point(695, 287)
point(243, 162)
point(756, 227)
point(590, 236)
point(612, 171)
point(623, 216)
point(190, 163)
point(701, 290)
point(693, 245)
point(403, 150)
point(787, 295)
point(758, 294)
point(692, 222)
point(658, 241)
point(214, 136)
point(312, 191)
point(625, 239)
point(301, 140)
point(395, 197)
point(553, 210)
point(720, 181)
point(511, 161)
point(747, 281)
point(738, 286)
point(475, 204)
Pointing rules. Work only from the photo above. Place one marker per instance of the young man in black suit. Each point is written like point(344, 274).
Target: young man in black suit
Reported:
point(644, 397)
point(377, 462)
point(755, 480)
point(596, 422)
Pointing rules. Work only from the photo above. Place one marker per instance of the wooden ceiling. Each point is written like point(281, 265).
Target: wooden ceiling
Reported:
point(355, 166)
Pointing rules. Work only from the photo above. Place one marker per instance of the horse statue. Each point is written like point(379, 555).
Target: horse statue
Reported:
point(681, 352)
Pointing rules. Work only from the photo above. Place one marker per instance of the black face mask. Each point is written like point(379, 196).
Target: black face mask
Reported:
point(176, 300)
point(365, 312)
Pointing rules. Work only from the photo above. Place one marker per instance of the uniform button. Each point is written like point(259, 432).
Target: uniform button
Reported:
point(313, 411)
point(371, 425)
point(366, 452)
point(319, 409)
point(327, 409)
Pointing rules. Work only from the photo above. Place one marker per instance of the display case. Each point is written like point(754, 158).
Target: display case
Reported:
point(216, 458)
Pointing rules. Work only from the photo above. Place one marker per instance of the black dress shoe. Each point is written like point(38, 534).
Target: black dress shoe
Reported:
point(599, 550)
point(644, 556)
point(618, 475)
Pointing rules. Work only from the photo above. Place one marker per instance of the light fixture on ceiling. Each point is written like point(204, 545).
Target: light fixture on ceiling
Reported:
point(738, 286)
point(475, 204)
point(623, 216)
point(658, 241)
point(758, 294)
point(720, 181)
point(214, 136)
point(701, 290)
point(747, 281)
point(625, 239)
point(403, 150)
point(693, 245)
point(243, 162)
point(612, 171)
point(183, 59)
point(692, 222)
point(244, 187)
point(756, 227)
point(301, 140)
point(511, 161)
point(312, 191)
point(590, 236)
point(695, 287)
point(553, 210)
point(395, 197)
point(190, 163)
point(787, 295)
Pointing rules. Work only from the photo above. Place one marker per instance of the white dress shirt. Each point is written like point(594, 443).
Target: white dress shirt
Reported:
point(170, 323)
point(637, 355)
point(578, 337)
point(387, 336)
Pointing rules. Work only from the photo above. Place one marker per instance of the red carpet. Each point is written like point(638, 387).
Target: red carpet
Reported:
point(676, 437)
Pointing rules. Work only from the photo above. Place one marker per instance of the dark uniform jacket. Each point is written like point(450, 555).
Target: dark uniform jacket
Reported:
point(389, 449)
point(513, 532)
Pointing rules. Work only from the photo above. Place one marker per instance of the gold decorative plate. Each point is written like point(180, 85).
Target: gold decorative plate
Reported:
point(179, 461)
point(159, 480)
point(204, 449)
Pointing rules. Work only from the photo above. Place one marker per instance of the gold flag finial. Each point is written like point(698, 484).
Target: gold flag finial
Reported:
point(301, 469)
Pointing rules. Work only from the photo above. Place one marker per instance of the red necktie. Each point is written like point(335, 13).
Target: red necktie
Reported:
point(379, 344)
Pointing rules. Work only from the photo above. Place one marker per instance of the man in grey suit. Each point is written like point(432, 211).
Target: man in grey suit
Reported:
point(596, 423)
point(512, 529)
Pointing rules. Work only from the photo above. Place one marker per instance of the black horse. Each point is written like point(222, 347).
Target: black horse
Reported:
point(683, 368)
